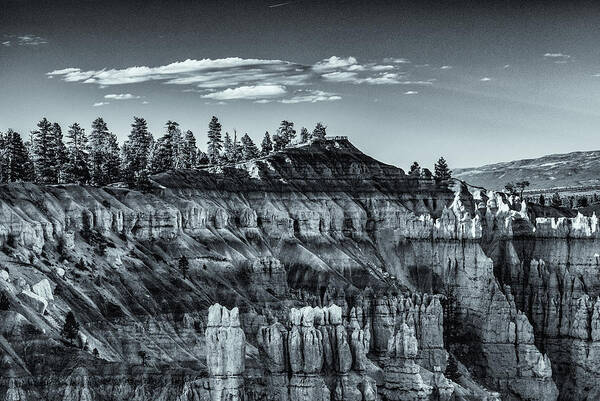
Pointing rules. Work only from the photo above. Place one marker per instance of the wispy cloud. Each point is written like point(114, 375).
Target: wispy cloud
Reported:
point(312, 97)
point(253, 79)
point(98, 104)
point(247, 92)
point(411, 93)
point(485, 79)
point(558, 58)
point(121, 96)
point(446, 67)
point(24, 40)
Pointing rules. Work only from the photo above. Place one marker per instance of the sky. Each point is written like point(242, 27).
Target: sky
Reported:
point(475, 82)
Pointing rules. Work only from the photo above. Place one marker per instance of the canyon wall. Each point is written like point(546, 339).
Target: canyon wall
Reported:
point(317, 273)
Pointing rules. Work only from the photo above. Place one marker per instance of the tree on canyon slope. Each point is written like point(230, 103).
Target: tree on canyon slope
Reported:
point(442, 172)
point(266, 145)
point(71, 327)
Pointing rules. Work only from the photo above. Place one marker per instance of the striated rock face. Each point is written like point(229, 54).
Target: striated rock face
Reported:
point(308, 279)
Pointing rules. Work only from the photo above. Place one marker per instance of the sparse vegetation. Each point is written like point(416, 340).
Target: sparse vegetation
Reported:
point(184, 266)
point(4, 302)
point(71, 328)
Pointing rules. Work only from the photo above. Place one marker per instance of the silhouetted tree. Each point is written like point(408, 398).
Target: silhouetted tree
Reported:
point(137, 152)
point(582, 201)
point(542, 200)
point(427, 174)
point(15, 162)
point(4, 302)
point(44, 155)
point(556, 200)
point(249, 149)
point(214, 140)
point(184, 266)
point(415, 170)
point(287, 132)
point(442, 172)
point(76, 169)
point(320, 131)
point(266, 145)
point(511, 189)
point(71, 327)
point(304, 135)
point(521, 185)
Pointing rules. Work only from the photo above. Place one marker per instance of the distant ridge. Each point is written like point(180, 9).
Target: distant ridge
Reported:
point(564, 170)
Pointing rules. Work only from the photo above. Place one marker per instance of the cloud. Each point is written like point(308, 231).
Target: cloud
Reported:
point(446, 67)
point(30, 40)
point(145, 102)
point(121, 96)
point(559, 58)
point(253, 79)
point(485, 79)
point(411, 93)
point(247, 92)
point(98, 104)
point(312, 97)
point(6, 43)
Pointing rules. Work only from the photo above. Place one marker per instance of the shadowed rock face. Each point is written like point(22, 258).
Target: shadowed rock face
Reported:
point(308, 279)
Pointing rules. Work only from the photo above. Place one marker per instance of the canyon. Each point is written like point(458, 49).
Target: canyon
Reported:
point(315, 273)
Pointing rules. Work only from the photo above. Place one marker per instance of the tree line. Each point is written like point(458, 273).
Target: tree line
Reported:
point(95, 158)
point(441, 171)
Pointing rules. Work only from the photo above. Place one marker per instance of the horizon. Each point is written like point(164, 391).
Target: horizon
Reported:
point(476, 83)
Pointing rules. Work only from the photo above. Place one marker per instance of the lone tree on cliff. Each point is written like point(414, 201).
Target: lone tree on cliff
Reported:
point(320, 131)
point(442, 172)
point(4, 302)
point(521, 185)
point(184, 266)
point(215, 143)
point(71, 327)
point(556, 200)
point(415, 170)
point(266, 145)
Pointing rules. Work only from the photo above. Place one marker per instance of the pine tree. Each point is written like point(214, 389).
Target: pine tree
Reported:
point(137, 154)
point(4, 302)
point(164, 154)
point(214, 140)
point(556, 200)
point(279, 142)
point(111, 168)
point(202, 158)
point(542, 200)
point(71, 328)
point(287, 132)
point(16, 163)
point(43, 153)
point(236, 148)
point(103, 158)
point(426, 173)
point(304, 135)
point(266, 145)
point(415, 170)
point(60, 153)
point(249, 149)
point(76, 169)
point(184, 266)
point(177, 144)
point(228, 148)
point(442, 172)
point(190, 151)
point(320, 131)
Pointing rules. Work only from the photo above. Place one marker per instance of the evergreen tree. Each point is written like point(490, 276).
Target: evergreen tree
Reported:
point(111, 168)
point(184, 266)
point(103, 159)
point(287, 132)
point(266, 145)
point(556, 200)
point(426, 173)
point(202, 158)
point(43, 153)
point(236, 148)
point(320, 131)
point(177, 144)
point(60, 153)
point(542, 200)
point(137, 153)
point(304, 135)
point(279, 142)
point(249, 149)
point(76, 169)
point(16, 163)
point(190, 151)
point(4, 302)
point(214, 140)
point(415, 170)
point(228, 148)
point(442, 172)
point(168, 152)
point(71, 327)
point(521, 185)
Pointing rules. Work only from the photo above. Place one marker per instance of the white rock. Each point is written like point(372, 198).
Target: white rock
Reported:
point(43, 289)
point(4, 275)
